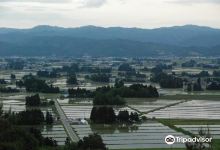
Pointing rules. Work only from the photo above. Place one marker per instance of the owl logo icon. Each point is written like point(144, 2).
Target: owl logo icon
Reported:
point(170, 139)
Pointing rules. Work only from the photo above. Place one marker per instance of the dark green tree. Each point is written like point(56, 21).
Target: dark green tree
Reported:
point(92, 142)
point(13, 76)
point(49, 118)
point(72, 79)
point(103, 114)
point(123, 116)
point(33, 100)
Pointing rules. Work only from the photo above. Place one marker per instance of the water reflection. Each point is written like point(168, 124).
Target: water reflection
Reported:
point(113, 129)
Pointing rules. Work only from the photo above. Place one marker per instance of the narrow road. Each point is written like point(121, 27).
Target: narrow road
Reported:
point(73, 136)
point(158, 108)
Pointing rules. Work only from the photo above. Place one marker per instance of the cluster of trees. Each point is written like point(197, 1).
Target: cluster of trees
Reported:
point(92, 142)
point(47, 74)
point(198, 85)
point(216, 73)
point(190, 63)
point(133, 91)
point(209, 66)
point(160, 67)
point(199, 75)
point(8, 90)
point(108, 99)
point(15, 64)
point(13, 76)
point(119, 83)
point(203, 74)
point(103, 115)
point(167, 81)
point(137, 90)
point(106, 115)
point(18, 138)
point(49, 118)
point(1, 111)
point(113, 95)
point(124, 116)
point(29, 117)
point(49, 141)
point(15, 137)
point(126, 67)
point(72, 79)
point(213, 85)
point(195, 86)
point(80, 93)
point(33, 84)
point(100, 77)
point(35, 101)
point(2, 81)
point(73, 68)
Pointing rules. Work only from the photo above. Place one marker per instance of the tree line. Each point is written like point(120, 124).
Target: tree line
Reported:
point(106, 115)
point(34, 84)
point(47, 74)
point(100, 77)
point(36, 101)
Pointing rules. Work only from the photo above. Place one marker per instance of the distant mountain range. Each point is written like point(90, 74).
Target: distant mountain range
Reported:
point(188, 40)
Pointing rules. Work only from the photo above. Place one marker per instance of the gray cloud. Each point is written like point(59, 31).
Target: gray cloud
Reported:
point(39, 1)
point(3, 8)
point(93, 3)
point(194, 1)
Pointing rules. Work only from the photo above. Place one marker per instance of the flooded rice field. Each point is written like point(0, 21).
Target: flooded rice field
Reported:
point(77, 111)
point(195, 109)
point(83, 111)
point(149, 134)
point(57, 132)
point(13, 105)
point(145, 106)
point(188, 70)
point(61, 83)
point(146, 135)
point(20, 97)
point(18, 106)
point(19, 74)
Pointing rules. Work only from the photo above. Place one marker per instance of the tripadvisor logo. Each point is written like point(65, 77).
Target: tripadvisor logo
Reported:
point(170, 139)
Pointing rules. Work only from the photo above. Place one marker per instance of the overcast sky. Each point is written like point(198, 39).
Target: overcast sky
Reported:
point(125, 13)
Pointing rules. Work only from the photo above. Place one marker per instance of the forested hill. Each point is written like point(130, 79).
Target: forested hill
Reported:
point(115, 41)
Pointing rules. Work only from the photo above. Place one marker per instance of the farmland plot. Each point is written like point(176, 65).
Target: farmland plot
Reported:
point(146, 135)
point(19, 74)
point(56, 132)
point(61, 83)
point(195, 109)
point(77, 111)
point(18, 106)
point(145, 106)
point(13, 105)
point(83, 111)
